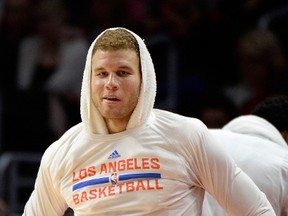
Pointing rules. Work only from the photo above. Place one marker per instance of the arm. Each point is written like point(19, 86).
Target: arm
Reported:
point(46, 197)
point(228, 184)
point(245, 198)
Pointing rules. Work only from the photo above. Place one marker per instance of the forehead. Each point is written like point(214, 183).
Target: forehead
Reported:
point(119, 54)
point(113, 58)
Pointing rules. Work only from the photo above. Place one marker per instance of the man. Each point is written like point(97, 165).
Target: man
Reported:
point(257, 144)
point(127, 158)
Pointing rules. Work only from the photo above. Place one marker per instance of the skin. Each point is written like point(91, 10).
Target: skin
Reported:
point(285, 136)
point(115, 86)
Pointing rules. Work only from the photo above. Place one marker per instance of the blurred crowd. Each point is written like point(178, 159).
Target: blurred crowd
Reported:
point(214, 59)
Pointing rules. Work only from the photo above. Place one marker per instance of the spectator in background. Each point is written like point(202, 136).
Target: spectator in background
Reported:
point(49, 78)
point(258, 144)
point(15, 25)
point(262, 69)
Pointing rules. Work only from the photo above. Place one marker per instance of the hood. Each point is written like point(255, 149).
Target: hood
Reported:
point(256, 126)
point(91, 117)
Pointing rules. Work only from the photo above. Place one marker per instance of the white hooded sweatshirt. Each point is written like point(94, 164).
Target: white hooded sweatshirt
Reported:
point(261, 152)
point(160, 165)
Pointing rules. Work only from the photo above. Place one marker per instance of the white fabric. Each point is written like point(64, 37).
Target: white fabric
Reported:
point(160, 165)
point(260, 151)
point(256, 126)
point(93, 120)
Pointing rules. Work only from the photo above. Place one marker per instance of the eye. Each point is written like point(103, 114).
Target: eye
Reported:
point(123, 73)
point(102, 74)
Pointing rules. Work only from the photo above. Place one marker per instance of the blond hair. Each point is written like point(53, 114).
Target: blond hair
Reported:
point(116, 39)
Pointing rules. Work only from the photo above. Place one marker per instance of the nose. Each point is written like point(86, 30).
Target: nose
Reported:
point(112, 82)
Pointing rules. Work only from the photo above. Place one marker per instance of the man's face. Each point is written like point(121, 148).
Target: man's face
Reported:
point(115, 83)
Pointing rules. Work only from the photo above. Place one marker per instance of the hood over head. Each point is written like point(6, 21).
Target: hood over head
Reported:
point(91, 117)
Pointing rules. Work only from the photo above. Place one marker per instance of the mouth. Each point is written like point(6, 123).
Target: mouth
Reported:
point(111, 99)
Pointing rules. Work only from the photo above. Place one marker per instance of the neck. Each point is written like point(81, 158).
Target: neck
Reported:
point(115, 125)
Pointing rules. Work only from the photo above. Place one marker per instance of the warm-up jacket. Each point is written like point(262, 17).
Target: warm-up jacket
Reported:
point(160, 165)
point(258, 149)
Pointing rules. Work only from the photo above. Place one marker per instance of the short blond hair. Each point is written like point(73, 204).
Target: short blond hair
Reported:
point(116, 39)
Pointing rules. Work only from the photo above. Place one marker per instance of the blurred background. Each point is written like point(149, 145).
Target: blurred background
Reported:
point(214, 60)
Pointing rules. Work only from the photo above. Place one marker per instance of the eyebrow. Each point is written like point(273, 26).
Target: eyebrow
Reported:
point(121, 67)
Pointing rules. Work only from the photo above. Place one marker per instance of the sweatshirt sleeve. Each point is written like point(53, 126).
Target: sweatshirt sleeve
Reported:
point(45, 198)
point(249, 199)
point(219, 175)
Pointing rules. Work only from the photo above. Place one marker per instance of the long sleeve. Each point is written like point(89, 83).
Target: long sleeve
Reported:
point(226, 182)
point(46, 197)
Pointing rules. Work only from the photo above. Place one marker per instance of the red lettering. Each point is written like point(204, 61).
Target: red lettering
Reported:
point(112, 167)
point(155, 163)
point(93, 194)
point(111, 190)
point(91, 171)
point(158, 187)
point(103, 168)
point(74, 179)
point(149, 187)
point(120, 186)
point(117, 189)
point(130, 164)
point(84, 196)
point(83, 173)
point(130, 186)
point(136, 164)
point(101, 192)
point(76, 199)
point(121, 165)
point(140, 185)
point(145, 163)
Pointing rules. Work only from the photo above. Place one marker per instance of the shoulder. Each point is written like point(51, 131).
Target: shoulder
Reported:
point(176, 122)
point(181, 131)
point(58, 151)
